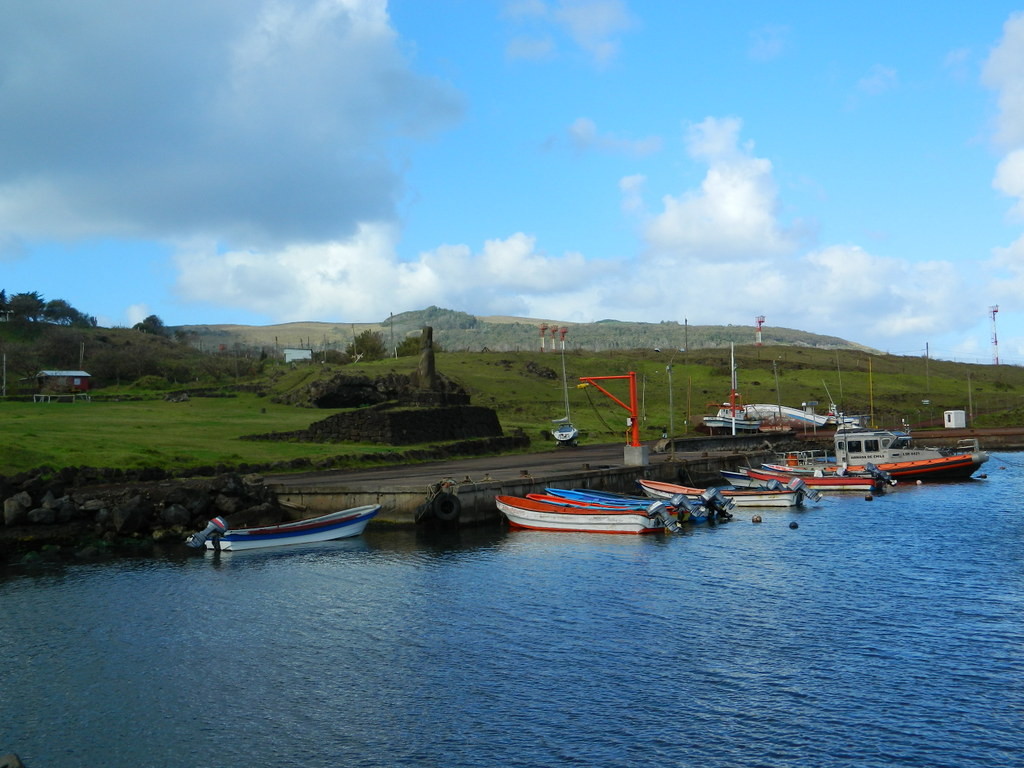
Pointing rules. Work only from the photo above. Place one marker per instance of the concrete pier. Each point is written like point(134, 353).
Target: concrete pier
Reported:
point(476, 481)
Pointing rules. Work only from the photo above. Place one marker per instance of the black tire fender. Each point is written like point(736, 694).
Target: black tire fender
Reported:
point(446, 507)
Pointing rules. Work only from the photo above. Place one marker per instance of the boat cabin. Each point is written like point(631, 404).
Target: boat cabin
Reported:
point(860, 445)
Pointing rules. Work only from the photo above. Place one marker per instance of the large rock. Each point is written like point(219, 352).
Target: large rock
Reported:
point(16, 508)
point(176, 514)
point(129, 516)
point(42, 516)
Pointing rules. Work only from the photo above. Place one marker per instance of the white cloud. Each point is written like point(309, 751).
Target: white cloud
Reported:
point(632, 188)
point(957, 62)
point(583, 135)
point(1004, 73)
point(253, 123)
point(1006, 273)
point(593, 26)
point(768, 42)
point(356, 277)
point(136, 313)
point(732, 216)
point(883, 297)
point(1009, 178)
point(880, 80)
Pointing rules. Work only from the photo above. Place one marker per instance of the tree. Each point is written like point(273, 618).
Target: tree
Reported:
point(59, 312)
point(368, 345)
point(410, 346)
point(151, 324)
point(27, 307)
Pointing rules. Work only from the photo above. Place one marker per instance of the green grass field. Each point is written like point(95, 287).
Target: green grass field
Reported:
point(524, 388)
point(134, 434)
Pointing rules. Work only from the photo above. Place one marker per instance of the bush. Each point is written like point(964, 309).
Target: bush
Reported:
point(150, 383)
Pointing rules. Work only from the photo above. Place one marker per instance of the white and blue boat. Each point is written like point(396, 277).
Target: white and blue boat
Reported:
point(220, 537)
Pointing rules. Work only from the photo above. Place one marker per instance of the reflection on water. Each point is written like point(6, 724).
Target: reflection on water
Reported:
point(875, 634)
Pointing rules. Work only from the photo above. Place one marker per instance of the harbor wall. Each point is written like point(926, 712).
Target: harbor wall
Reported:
point(400, 505)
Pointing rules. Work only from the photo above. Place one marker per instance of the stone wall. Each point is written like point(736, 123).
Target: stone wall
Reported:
point(398, 426)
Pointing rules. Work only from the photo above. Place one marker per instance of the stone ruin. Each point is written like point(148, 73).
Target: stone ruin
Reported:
point(423, 407)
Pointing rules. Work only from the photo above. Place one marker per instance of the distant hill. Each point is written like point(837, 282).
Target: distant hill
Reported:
point(462, 332)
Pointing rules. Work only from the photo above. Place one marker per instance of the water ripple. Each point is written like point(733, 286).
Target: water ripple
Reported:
point(876, 634)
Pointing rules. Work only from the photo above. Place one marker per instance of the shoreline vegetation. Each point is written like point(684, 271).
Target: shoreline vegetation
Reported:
point(172, 426)
point(162, 408)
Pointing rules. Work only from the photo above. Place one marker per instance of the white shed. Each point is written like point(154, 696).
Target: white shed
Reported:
point(292, 355)
point(955, 419)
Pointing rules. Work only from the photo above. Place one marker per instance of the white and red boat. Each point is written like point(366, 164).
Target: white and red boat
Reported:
point(780, 496)
point(822, 482)
point(541, 516)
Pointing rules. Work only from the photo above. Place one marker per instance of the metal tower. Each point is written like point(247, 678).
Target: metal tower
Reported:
point(757, 336)
point(995, 339)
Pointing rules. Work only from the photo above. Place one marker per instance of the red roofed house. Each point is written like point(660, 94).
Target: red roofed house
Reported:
point(53, 382)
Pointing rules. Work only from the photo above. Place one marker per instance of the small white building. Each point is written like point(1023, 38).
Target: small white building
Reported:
point(955, 420)
point(294, 355)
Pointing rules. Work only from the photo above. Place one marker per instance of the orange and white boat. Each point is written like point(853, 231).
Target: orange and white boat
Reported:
point(862, 450)
point(896, 453)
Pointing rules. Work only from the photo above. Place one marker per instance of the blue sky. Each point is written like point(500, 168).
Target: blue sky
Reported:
point(854, 169)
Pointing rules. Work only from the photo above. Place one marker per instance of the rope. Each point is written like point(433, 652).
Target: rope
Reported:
point(597, 412)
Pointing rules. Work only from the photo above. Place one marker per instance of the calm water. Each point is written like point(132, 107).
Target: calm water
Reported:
point(882, 633)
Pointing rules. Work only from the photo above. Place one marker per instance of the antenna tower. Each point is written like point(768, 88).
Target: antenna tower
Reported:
point(995, 339)
point(757, 336)
point(543, 341)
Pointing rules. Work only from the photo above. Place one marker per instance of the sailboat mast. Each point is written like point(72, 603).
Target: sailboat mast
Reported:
point(565, 382)
point(732, 390)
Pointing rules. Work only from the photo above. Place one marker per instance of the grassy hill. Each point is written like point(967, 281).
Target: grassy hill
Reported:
point(460, 332)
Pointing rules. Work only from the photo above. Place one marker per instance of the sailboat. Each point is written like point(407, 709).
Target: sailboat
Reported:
point(565, 433)
point(732, 415)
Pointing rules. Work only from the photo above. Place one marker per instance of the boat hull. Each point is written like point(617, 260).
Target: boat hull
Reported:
point(538, 516)
point(749, 497)
point(897, 453)
point(826, 483)
point(955, 467)
point(338, 525)
point(727, 424)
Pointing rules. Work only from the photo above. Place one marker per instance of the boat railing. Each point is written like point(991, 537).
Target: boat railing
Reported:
point(803, 458)
point(963, 445)
point(968, 445)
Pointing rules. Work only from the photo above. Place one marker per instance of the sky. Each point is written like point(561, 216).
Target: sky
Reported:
point(853, 169)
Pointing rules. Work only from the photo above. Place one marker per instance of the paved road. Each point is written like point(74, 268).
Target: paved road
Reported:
point(480, 469)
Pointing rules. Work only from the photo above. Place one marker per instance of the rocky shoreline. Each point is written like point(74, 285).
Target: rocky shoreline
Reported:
point(46, 520)
point(76, 513)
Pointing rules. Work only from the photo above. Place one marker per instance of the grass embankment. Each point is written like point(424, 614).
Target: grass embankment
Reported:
point(525, 388)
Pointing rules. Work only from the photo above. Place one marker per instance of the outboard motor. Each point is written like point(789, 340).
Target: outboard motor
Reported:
point(773, 485)
point(678, 500)
point(658, 512)
point(217, 526)
point(718, 506)
point(879, 474)
point(797, 484)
